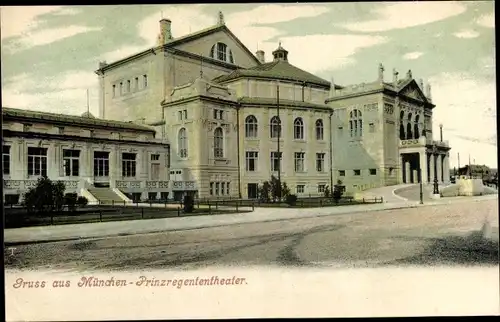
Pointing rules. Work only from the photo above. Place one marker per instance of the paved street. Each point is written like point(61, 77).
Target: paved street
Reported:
point(439, 234)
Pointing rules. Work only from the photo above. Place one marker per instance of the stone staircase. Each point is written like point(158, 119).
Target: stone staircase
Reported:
point(105, 195)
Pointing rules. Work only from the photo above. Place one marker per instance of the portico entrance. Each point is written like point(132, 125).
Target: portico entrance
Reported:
point(410, 165)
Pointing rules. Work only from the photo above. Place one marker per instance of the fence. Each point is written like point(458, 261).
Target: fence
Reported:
point(301, 202)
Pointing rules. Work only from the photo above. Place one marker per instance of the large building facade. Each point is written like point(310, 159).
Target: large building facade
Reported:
point(233, 119)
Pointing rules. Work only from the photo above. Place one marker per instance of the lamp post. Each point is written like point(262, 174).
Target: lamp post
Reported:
point(435, 154)
point(421, 186)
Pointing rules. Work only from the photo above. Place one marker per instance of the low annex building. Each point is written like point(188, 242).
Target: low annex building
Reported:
point(99, 159)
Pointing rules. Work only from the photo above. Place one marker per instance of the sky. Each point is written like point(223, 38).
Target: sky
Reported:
point(49, 54)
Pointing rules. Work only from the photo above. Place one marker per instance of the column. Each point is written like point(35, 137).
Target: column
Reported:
point(114, 160)
point(439, 165)
point(423, 166)
point(432, 167)
point(52, 169)
point(407, 172)
point(401, 169)
point(446, 163)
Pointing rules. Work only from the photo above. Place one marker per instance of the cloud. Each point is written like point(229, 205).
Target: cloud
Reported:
point(465, 104)
point(275, 13)
point(47, 36)
point(65, 11)
point(486, 21)
point(18, 20)
point(324, 52)
point(407, 14)
point(412, 55)
point(121, 53)
point(466, 34)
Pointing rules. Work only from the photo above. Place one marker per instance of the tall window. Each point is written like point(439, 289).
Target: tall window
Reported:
point(155, 166)
point(275, 127)
point(416, 132)
point(6, 159)
point(320, 162)
point(276, 161)
point(37, 161)
point(182, 143)
point(401, 126)
point(300, 188)
point(356, 123)
point(218, 143)
point(251, 160)
point(114, 90)
point(128, 86)
point(221, 51)
point(298, 129)
point(299, 161)
point(128, 164)
point(251, 126)
point(71, 162)
point(101, 164)
point(145, 80)
point(409, 134)
point(136, 84)
point(218, 114)
point(121, 88)
point(319, 130)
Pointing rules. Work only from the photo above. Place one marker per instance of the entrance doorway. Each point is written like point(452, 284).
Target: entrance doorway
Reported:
point(410, 164)
point(252, 191)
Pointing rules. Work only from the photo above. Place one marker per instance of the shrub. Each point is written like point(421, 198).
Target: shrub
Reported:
point(82, 201)
point(291, 200)
point(188, 204)
point(338, 191)
point(326, 192)
point(70, 199)
point(45, 196)
point(264, 192)
point(11, 200)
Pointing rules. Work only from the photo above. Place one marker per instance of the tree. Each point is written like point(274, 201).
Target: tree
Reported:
point(188, 204)
point(285, 191)
point(338, 191)
point(326, 192)
point(275, 188)
point(264, 192)
point(45, 196)
point(70, 200)
point(82, 201)
point(291, 199)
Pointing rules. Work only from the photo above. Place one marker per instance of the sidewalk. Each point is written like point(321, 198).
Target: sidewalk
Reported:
point(108, 229)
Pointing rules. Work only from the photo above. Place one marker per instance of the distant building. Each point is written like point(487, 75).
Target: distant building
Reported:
point(102, 160)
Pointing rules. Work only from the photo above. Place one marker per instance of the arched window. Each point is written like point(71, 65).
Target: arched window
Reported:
point(319, 129)
point(416, 132)
point(401, 126)
point(250, 126)
point(275, 128)
point(220, 51)
point(218, 143)
point(356, 123)
point(298, 129)
point(182, 144)
point(409, 134)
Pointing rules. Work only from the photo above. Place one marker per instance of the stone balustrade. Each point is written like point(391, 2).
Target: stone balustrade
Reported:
point(121, 184)
point(156, 184)
point(183, 185)
point(28, 184)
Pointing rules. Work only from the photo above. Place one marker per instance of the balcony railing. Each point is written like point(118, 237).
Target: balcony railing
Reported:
point(28, 184)
point(156, 184)
point(183, 185)
point(120, 184)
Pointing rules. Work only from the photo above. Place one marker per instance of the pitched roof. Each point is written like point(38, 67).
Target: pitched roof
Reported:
point(189, 37)
point(16, 113)
point(278, 69)
point(283, 102)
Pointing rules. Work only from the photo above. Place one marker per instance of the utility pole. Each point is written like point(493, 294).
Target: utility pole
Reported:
point(470, 170)
point(458, 162)
point(88, 105)
point(421, 186)
point(279, 135)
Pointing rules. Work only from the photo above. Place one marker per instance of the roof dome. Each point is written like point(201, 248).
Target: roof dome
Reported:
point(88, 115)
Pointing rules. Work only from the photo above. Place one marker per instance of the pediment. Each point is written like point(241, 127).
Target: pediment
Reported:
point(412, 90)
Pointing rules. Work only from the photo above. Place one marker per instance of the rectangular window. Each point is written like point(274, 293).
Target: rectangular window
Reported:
point(180, 115)
point(299, 161)
point(251, 160)
point(320, 162)
point(6, 159)
point(152, 195)
point(128, 164)
point(145, 81)
point(227, 188)
point(357, 172)
point(185, 114)
point(211, 188)
point(37, 161)
point(221, 114)
point(276, 161)
point(164, 195)
point(221, 51)
point(128, 86)
point(101, 164)
point(114, 91)
point(216, 114)
point(321, 188)
point(136, 85)
point(222, 188)
point(121, 88)
point(341, 173)
point(371, 128)
point(155, 157)
point(217, 188)
point(373, 172)
point(71, 163)
point(300, 188)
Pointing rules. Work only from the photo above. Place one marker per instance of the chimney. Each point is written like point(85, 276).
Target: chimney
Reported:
point(332, 88)
point(421, 84)
point(165, 31)
point(394, 77)
point(428, 91)
point(408, 74)
point(220, 19)
point(102, 64)
point(381, 73)
point(261, 56)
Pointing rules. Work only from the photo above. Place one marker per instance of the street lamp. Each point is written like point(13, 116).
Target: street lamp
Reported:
point(435, 154)
point(421, 186)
